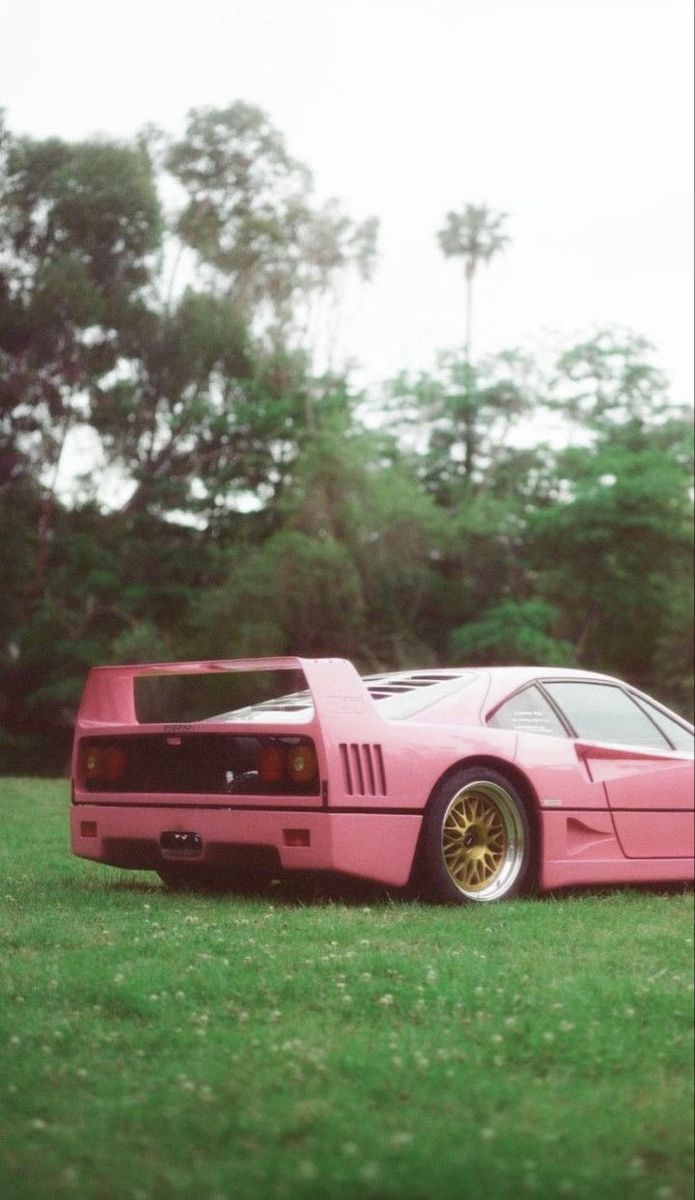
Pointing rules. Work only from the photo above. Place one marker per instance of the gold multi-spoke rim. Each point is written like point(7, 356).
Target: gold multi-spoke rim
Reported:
point(482, 840)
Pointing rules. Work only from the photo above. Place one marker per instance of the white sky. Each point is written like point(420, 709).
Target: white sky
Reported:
point(574, 116)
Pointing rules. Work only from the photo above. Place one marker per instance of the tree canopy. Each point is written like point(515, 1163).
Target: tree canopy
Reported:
point(178, 478)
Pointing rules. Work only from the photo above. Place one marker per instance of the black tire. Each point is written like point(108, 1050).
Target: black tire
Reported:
point(476, 842)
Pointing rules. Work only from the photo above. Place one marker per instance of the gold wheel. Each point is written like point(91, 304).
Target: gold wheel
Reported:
point(482, 841)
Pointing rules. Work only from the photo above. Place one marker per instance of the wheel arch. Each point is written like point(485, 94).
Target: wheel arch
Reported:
point(516, 778)
point(503, 767)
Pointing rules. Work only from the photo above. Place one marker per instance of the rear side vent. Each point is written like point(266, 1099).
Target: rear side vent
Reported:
point(363, 769)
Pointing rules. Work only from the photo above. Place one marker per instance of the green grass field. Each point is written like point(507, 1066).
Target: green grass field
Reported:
point(338, 1044)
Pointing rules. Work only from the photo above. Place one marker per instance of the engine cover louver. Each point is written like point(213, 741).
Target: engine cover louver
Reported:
point(363, 769)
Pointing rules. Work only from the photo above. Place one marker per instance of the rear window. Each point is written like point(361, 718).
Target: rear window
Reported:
point(222, 696)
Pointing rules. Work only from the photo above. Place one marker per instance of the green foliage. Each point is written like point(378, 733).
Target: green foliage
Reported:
point(250, 212)
point(78, 224)
point(474, 234)
point(512, 632)
point(608, 381)
point(610, 551)
point(249, 508)
point(293, 594)
point(463, 418)
point(140, 643)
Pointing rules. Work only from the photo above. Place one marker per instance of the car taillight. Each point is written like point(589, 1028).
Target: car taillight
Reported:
point(271, 764)
point(301, 763)
point(279, 763)
point(103, 764)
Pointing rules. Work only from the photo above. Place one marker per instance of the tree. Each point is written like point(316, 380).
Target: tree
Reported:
point(608, 382)
point(196, 387)
point(461, 419)
point(250, 216)
point(614, 550)
point(352, 567)
point(475, 235)
point(203, 409)
point(78, 226)
point(512, 632)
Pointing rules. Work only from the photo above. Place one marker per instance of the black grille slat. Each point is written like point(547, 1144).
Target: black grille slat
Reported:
point(357, 764)
point(347, 773)
point(370, 770)
point(380, 769)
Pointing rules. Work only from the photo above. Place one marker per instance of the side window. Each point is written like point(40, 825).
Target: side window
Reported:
point(677, 734)
point(605, 713)
point(528, 712)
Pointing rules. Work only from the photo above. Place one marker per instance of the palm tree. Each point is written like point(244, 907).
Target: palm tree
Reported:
point(474, 234)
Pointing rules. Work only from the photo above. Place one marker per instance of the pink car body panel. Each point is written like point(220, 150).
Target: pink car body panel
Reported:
point(603, 814)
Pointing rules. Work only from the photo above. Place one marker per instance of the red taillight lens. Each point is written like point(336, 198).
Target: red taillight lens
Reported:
point(301, 763)
point(271, 764)
point(114, 764)
point(103, 764)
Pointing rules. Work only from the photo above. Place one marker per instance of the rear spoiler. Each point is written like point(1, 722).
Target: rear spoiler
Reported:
point(337, 689)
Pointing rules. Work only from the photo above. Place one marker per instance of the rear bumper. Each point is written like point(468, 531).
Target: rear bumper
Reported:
point(377, 846)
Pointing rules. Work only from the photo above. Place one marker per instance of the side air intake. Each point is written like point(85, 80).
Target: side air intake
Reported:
point(363, 769)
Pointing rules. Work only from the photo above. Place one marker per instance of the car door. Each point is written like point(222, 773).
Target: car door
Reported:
point(648, 778)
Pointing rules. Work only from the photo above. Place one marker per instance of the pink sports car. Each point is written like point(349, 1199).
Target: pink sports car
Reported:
point(474, 782)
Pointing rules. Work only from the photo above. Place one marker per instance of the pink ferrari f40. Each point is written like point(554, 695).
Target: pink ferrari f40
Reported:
point(476, 783)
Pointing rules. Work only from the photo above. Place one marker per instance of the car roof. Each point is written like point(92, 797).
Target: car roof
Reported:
point(460, 693)
point(406, 694)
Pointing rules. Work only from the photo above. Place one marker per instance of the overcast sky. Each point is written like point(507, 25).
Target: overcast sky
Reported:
point(573, 116)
